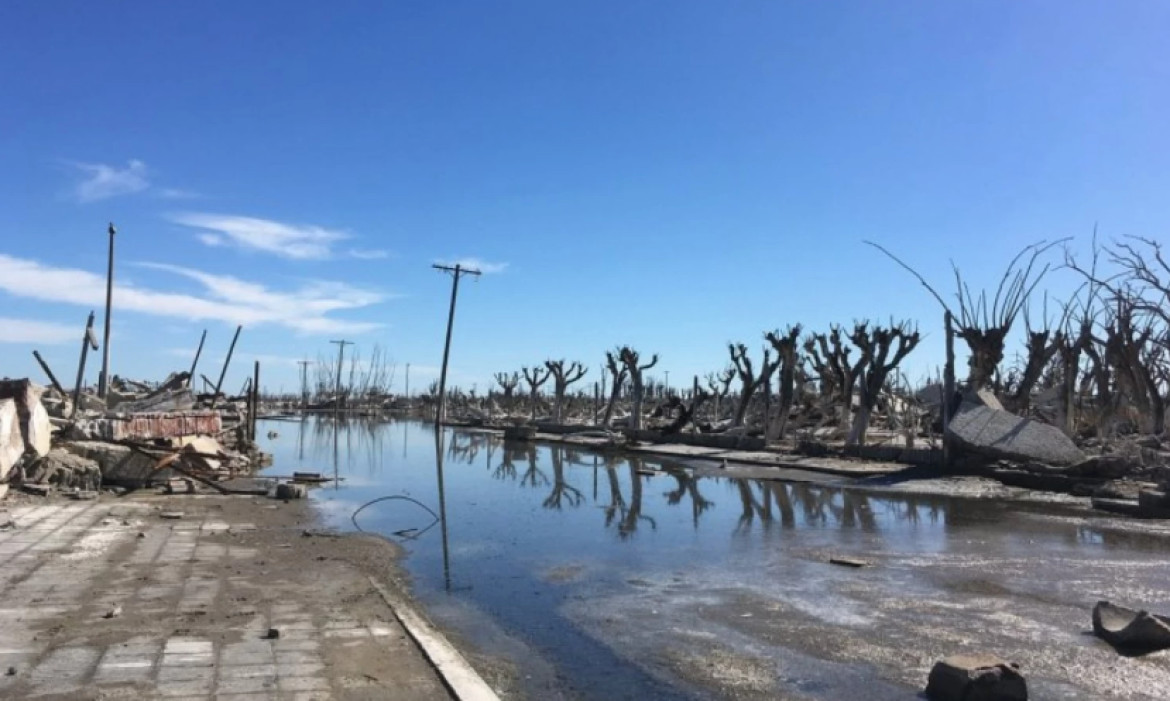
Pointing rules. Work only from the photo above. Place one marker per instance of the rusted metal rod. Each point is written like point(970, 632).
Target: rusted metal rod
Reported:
point(226, 361)
point(198, 352)
point(52, 377)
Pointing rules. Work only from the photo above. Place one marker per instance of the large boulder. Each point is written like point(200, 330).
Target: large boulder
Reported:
point(976, 678)
point(999, 434)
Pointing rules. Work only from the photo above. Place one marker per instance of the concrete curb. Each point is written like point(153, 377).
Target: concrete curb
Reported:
point(457, 674)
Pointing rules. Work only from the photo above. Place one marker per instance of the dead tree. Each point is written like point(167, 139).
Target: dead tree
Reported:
point(629, 357)
point(686, 413)
point(617, 370)
point(750, 382)
point(881, 350)
point(508, 383)
point(985, 327)
point(1042, 346)
point(788, 356)
point(1137, 333)
point(535, 379)
point(830, 357)
point(720, 384)
point(562, 378)
point(1133, 356)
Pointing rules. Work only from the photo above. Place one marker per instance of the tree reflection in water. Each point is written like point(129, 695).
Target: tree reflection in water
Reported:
point(689, 486)
point(561, 490)
point(767, 502)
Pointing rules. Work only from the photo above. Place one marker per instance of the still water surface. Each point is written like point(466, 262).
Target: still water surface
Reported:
point(598, 580)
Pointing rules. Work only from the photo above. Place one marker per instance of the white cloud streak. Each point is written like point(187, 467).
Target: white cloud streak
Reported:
point(476, 264)
point(29, 331)
point(295, 241)
point(105, 181)
point(224, 298)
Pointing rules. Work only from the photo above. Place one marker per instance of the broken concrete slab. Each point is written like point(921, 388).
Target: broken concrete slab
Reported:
point(65, 470)
point(148, 426)
point(167, 401)
point(978, 677)
point(34, 420)
point(11, 440)
point(119, 464)
point(1000, 434)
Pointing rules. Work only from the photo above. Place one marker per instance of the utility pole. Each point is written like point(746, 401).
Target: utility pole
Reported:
point(340, 357)
point(667, 385)
point(408, 381)
point(304, 382)
point(104, 379)
point(456, 272)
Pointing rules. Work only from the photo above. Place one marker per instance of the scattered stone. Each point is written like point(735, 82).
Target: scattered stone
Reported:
point(999, 434)
point(288, 490)
point(114, 612)
point(141, 534)
point(272, 634)
point(82, 494)
point(171, 515)
point(976, 678)
point(11, 671)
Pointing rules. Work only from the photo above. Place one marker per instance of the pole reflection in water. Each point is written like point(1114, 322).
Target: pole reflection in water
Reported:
point(442, 506)
point(336, 473)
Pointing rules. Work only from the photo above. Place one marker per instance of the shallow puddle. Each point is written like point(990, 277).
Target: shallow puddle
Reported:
point(608, 577)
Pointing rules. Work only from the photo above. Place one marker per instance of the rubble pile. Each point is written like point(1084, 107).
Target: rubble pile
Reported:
point(139, 436)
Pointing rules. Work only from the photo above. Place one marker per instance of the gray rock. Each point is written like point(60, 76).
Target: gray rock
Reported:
point(999, 434)
point(976, 678)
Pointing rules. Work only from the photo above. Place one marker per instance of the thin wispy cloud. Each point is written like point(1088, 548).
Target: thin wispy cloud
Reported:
point(368, 254)
point(42, 332)
point(296, 241)
point(476, 264)
point(103, 181)
point(175, 193)
point(223, 298)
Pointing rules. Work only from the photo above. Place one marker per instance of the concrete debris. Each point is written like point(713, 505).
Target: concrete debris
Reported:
point(1130, 631)
point(65, 470)
point(11, 442)
point(976, 678)
point(999, 434)
point(171, 515)
point(35, 427)
point(288, 490)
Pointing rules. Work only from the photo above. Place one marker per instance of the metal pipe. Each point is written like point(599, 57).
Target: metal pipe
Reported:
point(198, 352)
point(52, 377)
point(104, 378)
point(86, 341)
point(226, 361)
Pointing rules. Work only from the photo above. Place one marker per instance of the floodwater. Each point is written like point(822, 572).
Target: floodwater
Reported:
point(597, 581)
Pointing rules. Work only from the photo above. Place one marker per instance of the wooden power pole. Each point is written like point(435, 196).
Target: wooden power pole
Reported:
point(456, 272)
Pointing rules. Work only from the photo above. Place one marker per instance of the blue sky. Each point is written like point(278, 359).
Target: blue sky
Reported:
point(669, 175)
